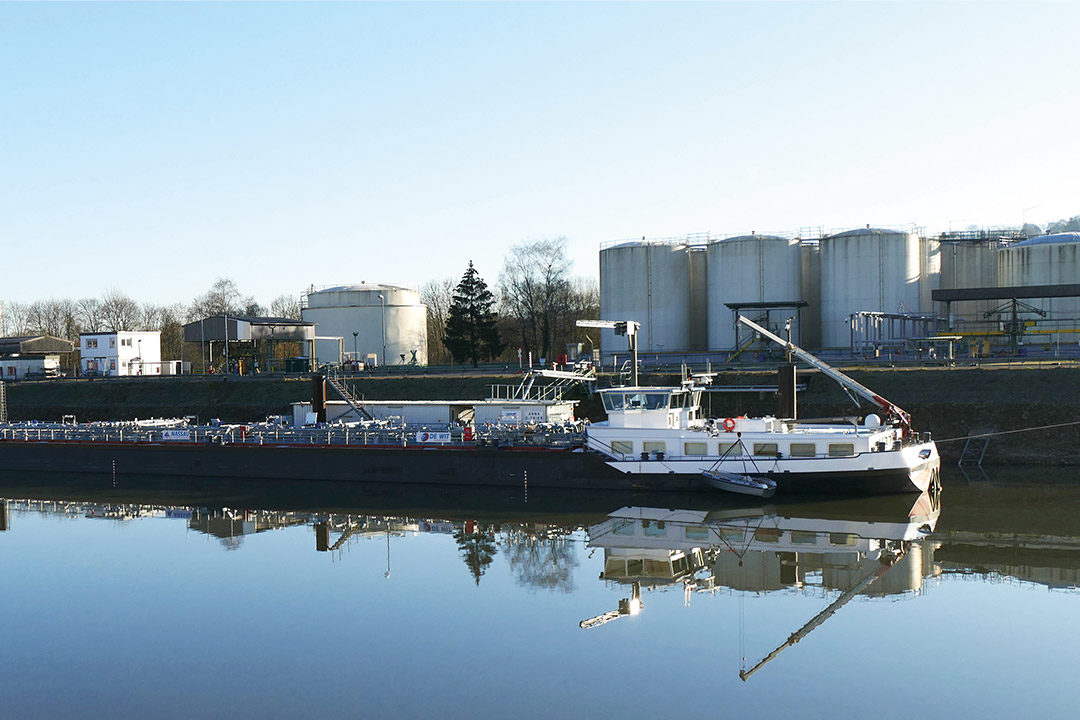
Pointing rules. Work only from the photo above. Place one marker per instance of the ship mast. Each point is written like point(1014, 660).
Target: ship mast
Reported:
point(890, 409)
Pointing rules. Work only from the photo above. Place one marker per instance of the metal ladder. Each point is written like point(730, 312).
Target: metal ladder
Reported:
point(974, 451)
point(3, 402)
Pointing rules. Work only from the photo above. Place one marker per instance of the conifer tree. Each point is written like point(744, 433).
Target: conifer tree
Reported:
point(471, 334)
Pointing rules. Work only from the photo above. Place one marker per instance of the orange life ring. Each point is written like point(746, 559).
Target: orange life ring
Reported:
point(729, 424)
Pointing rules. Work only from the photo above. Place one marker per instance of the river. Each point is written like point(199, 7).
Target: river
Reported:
point(201, 600)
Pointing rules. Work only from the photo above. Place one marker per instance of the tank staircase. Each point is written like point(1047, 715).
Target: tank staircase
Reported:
point(339, 387)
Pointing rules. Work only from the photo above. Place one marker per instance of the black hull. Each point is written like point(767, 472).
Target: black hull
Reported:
point(520, 468)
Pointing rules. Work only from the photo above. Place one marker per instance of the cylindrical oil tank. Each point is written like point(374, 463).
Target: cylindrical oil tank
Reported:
point(751, 269)
point(650, 282)
point(381, 316)
point(870, 270)
point(1047, 260)
point(967, 265)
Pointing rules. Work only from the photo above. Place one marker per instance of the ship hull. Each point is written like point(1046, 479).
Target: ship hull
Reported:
point(439, 466)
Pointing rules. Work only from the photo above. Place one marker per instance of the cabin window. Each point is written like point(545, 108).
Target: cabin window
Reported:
point(678, 401)
point(731, 449)
point(622, 447)
point(654, 529)
point(652, 446)
point(614, 401)
point(732, 534)
point(695, 448)
point(766, 450)
point(841, 539)
point(623, 527)
point(803, 450)
point(841, 449)
point(803, 537)
point(697, 532)
point(768, 535)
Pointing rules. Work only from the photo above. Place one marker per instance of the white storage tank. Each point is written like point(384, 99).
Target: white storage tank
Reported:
point(965, 265)
point(649, 282)
point(379, 315)
point(751, 268)
point(870, 270)
point(1046, 260)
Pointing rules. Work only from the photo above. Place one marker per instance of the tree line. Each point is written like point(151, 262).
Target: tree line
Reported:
point(532, 306)
point(115, 311)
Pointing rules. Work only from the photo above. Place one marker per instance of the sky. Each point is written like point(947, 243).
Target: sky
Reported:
point(153, 148)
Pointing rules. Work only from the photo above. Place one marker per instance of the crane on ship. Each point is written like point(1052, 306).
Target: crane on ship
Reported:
point(629, 328)
point(851, 387)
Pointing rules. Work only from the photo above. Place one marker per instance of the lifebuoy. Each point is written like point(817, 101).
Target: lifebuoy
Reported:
point(729, 424)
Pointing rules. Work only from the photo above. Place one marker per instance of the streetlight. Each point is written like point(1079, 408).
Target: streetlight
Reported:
point(382, 317)
point(355, 359)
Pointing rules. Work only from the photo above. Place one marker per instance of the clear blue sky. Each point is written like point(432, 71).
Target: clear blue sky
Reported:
point(155, 147)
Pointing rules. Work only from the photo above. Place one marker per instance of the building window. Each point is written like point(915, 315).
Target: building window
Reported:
point(622, 447)
point(841, 449)
point(91, 343)
point(112, 342)
point(125, 342)
point(766, 450)
point(803, 450)
point(112, 364)
point(695, 448)
point(11, 370)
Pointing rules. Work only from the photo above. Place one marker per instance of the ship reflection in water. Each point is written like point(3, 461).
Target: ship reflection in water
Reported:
point(824, 547)
point(616, 595)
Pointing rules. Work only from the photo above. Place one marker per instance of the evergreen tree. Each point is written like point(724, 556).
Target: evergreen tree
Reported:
point(471, 334)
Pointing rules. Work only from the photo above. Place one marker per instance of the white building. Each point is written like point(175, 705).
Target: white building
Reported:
point(120, 353)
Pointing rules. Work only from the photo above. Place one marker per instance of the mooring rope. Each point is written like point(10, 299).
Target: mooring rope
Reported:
point(1008, 432)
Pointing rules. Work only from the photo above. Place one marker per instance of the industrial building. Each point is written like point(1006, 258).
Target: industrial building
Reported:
point(243, 345)
point(867, 290)
point(29, 356)
point(370, 324)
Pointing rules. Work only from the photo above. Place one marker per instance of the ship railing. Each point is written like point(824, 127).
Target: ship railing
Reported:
point(545, 434)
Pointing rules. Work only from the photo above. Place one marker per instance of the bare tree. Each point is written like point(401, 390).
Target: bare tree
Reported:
point(437, 295)
point(119, 312)
point(536, 291)
point(13, 317)
point(88, 313)
point(222, 298)
point(285, 306)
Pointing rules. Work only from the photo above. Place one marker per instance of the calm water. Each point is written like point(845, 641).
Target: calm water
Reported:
point(639, 607)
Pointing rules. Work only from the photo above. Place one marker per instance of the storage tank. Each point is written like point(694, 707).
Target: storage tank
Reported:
point(965, 265)
point(869, 270)
point(751, 268)
point(379, 315)
point(650, 282)
point(1046, 260)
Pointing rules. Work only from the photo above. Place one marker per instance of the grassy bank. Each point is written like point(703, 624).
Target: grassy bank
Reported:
point(947, 402)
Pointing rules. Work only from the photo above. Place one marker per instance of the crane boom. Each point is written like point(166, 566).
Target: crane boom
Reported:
point(890, 409)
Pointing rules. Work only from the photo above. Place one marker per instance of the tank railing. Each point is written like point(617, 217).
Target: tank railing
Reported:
point(544, 434)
